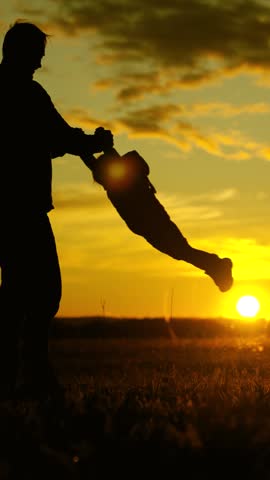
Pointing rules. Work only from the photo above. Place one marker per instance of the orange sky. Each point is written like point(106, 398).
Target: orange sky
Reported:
point(186, 84)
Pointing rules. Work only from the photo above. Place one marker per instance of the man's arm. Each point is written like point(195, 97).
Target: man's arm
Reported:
point(66, 139)
point(75, 141)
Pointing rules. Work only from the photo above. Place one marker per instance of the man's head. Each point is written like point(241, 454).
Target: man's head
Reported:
point(23, 47)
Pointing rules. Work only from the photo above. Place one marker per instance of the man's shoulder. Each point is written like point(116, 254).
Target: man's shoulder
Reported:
point(40, 93)
point(39, 88)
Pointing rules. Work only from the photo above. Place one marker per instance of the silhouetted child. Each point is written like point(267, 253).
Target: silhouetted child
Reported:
point(125, 179)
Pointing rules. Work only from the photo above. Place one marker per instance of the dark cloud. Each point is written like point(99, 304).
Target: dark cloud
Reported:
point(149, 119)
point(154, 122)
point(132, 87)
point(175, 33)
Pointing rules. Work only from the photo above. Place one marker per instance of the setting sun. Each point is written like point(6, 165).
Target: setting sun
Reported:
point(248, 306)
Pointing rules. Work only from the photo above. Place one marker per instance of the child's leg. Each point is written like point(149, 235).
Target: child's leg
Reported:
point(219, 269)
point(172, 242)
point(145, 216)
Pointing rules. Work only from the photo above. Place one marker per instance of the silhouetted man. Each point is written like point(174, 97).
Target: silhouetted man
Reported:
point(32, 134)
point(125, 179)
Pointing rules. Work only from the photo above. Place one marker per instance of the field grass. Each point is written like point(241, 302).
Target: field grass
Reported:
point(188, 408)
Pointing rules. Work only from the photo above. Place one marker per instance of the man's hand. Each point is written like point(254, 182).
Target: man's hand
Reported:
point(101, 141)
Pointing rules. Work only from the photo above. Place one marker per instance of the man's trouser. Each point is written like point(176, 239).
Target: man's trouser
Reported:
point(29, 295)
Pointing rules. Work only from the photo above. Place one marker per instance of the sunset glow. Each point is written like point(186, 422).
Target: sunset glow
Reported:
point(188, 88)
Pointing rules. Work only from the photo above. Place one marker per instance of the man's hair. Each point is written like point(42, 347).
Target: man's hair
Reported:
point(23, 36)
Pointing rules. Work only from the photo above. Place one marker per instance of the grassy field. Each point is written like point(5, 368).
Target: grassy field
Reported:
point(194, 408)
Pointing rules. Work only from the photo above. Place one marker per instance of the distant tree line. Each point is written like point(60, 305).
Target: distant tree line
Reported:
point(98, 327)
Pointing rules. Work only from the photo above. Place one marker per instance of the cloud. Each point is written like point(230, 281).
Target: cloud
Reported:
point(189, 41)
point(154, 122)
point(132, 87)
point(219, 109)
point(89, 229)
point(80, 196)
point(166, 123)
point(224, 195)
point(243, 249)
point(87, 226)
point(187, 209)
point(149, 119)
point(79, 118)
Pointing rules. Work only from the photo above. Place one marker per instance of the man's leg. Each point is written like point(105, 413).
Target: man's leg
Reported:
point(42, 294)
point(10, 317)
point(11, 302)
